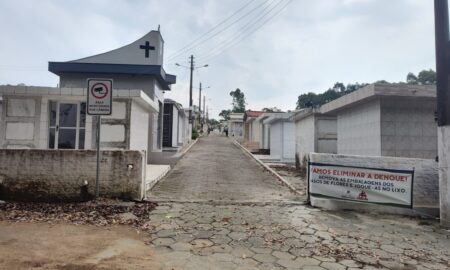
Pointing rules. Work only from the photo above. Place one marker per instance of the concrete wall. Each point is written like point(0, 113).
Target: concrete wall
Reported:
point(359, 131)
point(282, 140)
point(288, 141)
point(115, 130)
point(139, 128)
point(265, 141)
point(145, 83)
point(175, 126)
point(47, 175)
point(444, 174)
point(326, 134)
point(20, 122)
point(255, 131)
point(276, 139)
point(235, 129)
point(425, 185)
point(408, 128)
point(304, 138)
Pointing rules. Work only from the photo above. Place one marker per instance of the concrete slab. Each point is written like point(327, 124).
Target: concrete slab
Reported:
point(154, 173)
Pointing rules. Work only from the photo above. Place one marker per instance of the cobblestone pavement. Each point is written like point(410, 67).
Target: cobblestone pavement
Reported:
point(217, 170)
point(206, 236)
point(243, 219)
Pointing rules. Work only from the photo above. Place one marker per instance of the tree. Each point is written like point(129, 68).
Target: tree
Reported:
point(427, 77)
point(225, 114)
point(214, 123)
point(307, 100)
point(271, 109)
point(238, 101)
point(411, 78)
point(339, 87)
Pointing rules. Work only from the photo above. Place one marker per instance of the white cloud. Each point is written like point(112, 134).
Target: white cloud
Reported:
point(307, 47)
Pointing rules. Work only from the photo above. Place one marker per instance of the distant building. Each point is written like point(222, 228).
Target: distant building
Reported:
point(262, 130)
point(251, 130)
point(281, 137)
point(236, 125)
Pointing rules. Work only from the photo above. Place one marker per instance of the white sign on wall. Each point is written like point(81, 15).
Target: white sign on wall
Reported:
point(370, 185)
point(99, 96)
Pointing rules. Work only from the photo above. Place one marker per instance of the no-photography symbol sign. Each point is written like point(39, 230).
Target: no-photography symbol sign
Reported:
point(99, 96)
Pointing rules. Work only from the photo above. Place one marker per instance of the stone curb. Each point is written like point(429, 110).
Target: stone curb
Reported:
point(270, 170)
point(188, 148)
point(170, 169)
point(228, 202)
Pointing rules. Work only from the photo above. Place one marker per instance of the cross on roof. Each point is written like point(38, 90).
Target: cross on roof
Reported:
point(147, 48)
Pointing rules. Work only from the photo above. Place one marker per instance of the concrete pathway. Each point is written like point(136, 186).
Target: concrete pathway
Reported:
point(217, 170)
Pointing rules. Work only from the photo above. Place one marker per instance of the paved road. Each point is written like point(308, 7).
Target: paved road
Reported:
point(234, 236)
point(215, 169)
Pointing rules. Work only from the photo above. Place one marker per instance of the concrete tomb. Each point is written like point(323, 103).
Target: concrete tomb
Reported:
point(56, 118)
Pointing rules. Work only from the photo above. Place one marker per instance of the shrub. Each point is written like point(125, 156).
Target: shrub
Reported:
point(194, 134)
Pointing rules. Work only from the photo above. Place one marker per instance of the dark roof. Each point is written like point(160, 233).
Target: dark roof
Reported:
point(165, 80)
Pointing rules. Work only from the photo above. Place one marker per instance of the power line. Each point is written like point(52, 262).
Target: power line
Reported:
point(193, 43)
point(243, 35)
point(246, 29)
point(203, 38)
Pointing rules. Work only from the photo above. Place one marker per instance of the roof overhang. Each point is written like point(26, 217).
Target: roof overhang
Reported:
point(374, 91)
point(164, 79)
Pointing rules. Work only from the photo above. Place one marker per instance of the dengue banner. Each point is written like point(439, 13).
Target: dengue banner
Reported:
point(380, 186)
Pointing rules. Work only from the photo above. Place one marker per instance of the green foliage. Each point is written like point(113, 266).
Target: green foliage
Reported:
point(225, 114)
point(238, 101)
point(271, 109)
point(214, 123)
point(310, 99)
point(195, 134)
point(424, 77)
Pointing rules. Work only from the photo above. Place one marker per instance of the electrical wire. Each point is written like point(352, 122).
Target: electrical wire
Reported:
point(250, 29)
point(201, 39)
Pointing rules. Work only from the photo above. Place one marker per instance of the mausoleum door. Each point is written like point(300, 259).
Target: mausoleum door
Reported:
point(67, 125)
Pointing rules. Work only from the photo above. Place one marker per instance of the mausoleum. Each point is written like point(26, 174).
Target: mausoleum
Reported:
point(56, 118)
point(236, 125)
point(395, 120)
point(314, 132)
point(175, 125)
point(281, 137)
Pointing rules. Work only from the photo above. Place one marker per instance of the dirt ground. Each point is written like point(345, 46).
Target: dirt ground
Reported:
point(64, 246)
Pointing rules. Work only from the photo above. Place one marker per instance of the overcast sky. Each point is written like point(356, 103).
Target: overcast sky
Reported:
point(305, 47)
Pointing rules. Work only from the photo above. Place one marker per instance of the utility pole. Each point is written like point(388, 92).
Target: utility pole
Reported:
point(200, 107)
point(204, 112)
point(441, 21)
point(190, 90)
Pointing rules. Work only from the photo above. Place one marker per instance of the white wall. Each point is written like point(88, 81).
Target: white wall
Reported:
point(326, 133)
point(359, 131)
point(175, 126)
point(288, 141)
point(408, 128)
point(139, 128)
point(304, 137)
point(276, 139)
point(256, 131)
point(181, 132)
point(265, 142)
point(20, 120)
